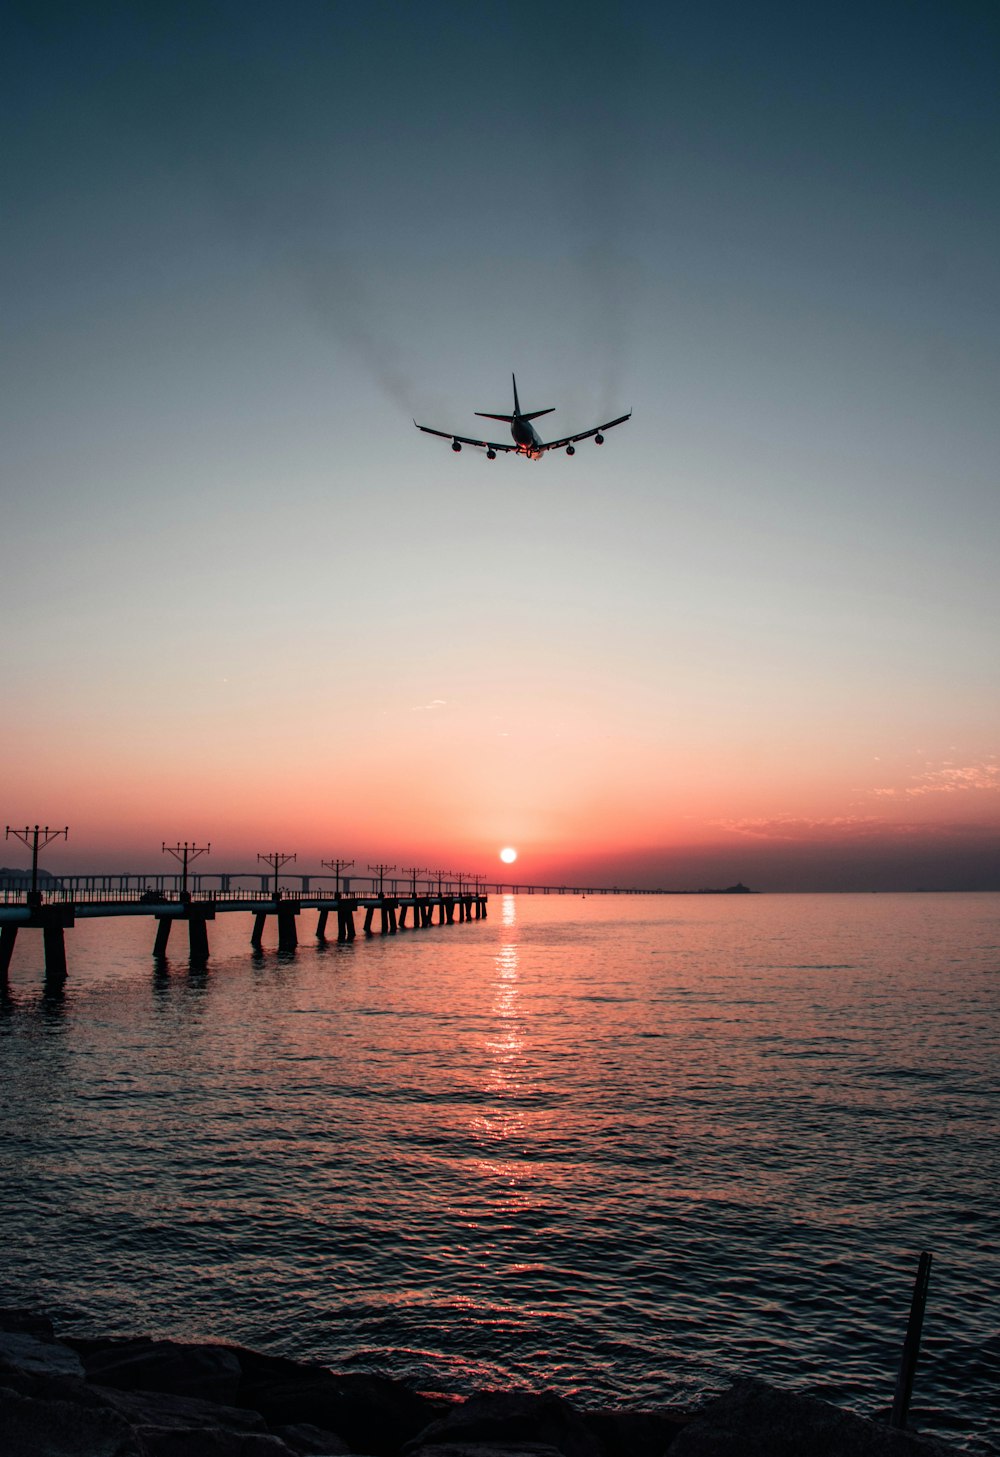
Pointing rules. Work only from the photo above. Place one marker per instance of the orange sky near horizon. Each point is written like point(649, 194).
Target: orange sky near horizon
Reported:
point(442, 784)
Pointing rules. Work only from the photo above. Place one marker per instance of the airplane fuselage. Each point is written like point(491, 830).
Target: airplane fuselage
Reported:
point(526, 438)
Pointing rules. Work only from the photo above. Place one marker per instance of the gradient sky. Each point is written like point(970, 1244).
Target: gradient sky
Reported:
point(245, 601)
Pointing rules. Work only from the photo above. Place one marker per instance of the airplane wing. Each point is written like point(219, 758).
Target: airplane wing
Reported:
point(585, 434)
point(465, 439)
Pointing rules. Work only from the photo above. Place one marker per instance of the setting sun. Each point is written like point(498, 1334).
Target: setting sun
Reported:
point(508, 855)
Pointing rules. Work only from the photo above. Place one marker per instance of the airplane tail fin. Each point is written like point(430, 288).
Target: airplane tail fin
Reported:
point(517, 411)
point(517, 407)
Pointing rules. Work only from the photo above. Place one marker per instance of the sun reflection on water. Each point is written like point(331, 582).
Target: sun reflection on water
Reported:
point(501, 1129)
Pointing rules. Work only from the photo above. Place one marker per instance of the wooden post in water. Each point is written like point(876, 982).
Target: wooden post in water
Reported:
point(257, 934)
point(911, 1345)
point(321, 925)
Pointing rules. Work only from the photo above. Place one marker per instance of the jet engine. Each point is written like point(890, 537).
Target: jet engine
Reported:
point(491, 455)
point(455, 445)
point(598, 439)
point(571, 450)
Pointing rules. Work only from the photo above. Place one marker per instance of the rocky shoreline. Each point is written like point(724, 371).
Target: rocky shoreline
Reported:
point(70, 1396)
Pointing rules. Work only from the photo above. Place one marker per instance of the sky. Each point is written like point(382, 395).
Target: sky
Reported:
point(753, 636)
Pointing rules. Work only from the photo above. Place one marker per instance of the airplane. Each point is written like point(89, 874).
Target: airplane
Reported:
point(526, 439)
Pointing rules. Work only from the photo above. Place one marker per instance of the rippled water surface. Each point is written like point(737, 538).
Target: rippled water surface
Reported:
point(622, 1146)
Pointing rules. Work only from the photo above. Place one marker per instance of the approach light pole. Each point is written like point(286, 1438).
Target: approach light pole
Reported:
point(184, 854)
point(337, 866)
point(30, 837)
point(413, 871)
point(381, 874)
point(438, 875)
point(276, 859)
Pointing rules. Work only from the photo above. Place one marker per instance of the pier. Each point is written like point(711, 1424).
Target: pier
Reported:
point(56, 910)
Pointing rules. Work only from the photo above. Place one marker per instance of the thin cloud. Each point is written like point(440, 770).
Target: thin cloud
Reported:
point(797, 827)
point(983, 777)
point(794, 829)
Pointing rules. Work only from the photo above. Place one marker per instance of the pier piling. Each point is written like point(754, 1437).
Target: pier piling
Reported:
point(54, 920)
point(287, 935)
point(8, 937)
point(55, 952)
point(163, 924)
point(198, 934)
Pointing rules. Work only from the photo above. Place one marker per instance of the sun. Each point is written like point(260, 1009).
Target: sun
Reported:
point(508, 855)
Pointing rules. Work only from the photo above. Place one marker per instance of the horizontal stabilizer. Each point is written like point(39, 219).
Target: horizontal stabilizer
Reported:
point(535, 413)
point(482, 415)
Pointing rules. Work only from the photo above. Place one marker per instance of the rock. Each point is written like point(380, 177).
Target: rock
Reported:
point(207, 1371)
point(44, 1411)
point(371, 1414)
point(636, 1433)
point(31, 1428)
point(310, 1441)
point(29, 1353)
point(44, 1386)
point(510, 1418)
point(159, 1409)
point(258, 1366)
point(488, 1449)
point(753, 1419)
point(208, 1442)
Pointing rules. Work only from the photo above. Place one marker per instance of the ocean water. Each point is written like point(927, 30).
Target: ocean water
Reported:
point(623, 1147)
